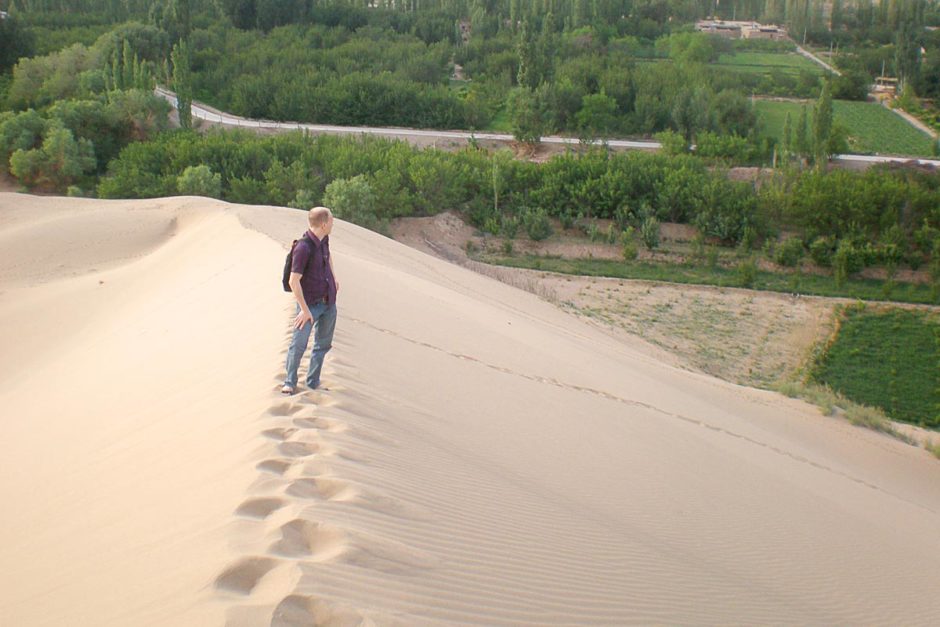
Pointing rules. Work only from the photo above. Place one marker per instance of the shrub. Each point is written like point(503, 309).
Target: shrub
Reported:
point(821, 250)
point(537, 225)
point(747, 272)
point(198, 180)
point(846, 261)
point(711, 257)
point(649, 233)
point(611, 235)
point(509, 226)
point(629, 249)
point(353, 200)
point(593, 232)
point(698, 247)
point(672, 142)
point(305, 199)
point(789, 252)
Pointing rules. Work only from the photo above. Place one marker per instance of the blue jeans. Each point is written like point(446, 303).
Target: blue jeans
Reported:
point(324, 321)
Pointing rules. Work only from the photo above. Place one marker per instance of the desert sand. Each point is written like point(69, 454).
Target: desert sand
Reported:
point(480, 456)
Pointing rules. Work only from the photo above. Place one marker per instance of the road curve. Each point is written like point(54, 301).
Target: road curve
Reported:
point(214, 116)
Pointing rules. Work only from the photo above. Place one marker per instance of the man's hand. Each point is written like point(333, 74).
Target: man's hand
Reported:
point(303, 318)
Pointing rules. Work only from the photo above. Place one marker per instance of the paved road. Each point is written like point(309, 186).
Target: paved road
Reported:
point(208, 114)
point(214, 116)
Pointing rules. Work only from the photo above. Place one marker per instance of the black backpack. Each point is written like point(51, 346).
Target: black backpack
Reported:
point(285, 281)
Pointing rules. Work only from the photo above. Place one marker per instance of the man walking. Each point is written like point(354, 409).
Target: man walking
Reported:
point(314, 288)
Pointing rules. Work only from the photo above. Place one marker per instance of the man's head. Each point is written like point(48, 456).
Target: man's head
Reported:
point(321, 220)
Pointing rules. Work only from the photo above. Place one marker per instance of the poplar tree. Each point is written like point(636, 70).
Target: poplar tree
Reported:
point(801, 143)
point(183, 83)
point(822, 126)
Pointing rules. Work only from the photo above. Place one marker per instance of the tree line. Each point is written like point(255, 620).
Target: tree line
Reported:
point(882, 216)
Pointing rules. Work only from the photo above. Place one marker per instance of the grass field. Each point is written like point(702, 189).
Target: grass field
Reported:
point(808, 284)
point(872, 128)
point(887, 359)
point(766, 62)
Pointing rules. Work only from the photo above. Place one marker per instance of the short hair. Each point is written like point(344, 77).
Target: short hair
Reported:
point(318, 216)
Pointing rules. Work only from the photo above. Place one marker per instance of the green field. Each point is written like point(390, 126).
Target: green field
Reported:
point(723, 276)
point(872, 128)
point(766, 62)
point(887, 359)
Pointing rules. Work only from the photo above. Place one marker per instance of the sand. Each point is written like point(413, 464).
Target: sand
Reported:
point(480, 457)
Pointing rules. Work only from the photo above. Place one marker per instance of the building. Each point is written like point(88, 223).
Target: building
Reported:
point(885, 88)
point(740, 30)
point(774, 33)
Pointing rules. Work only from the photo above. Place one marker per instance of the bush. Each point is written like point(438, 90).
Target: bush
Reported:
point(353, 200)
point(537, 225)
point(789, 252)
point(629, 249)
point(198, 180)
point(846, 261)
point(509, 226)
point(305, 199)
point(649, 233)
point(747, 272)
point(672, 143)
point(821, 250)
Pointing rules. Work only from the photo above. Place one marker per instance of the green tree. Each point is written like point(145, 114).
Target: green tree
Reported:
point(801, 141)
point(16, 42)
point(353, 200)
point(183, 83)
point(822, 126)
point(597, 116)
point(787, 136)
point(55, 165)
point(529, 120)
point(199, 180)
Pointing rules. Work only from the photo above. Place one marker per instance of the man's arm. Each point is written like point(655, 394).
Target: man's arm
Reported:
point(304, 316)
point(333, 272)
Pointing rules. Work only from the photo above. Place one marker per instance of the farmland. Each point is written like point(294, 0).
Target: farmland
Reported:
point(887, 359)
point(767, 63)
point(872, 129)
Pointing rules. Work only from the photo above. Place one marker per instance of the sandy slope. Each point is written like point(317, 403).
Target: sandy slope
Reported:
point(481, 457)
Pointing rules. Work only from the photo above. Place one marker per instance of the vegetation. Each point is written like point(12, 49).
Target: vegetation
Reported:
point(887, 359)
point(726, 273)
point(870, 128)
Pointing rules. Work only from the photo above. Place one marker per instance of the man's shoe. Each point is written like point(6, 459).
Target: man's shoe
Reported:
point(287, 390)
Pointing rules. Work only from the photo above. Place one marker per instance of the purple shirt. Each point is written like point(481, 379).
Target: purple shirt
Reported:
point(311, 260)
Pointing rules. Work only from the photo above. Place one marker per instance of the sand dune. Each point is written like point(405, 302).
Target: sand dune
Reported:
point(480, 457)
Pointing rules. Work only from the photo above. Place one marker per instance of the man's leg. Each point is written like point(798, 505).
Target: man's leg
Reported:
point(298, 344)
point(325, 322)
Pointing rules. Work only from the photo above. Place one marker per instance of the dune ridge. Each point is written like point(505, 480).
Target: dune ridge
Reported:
point(480, 456)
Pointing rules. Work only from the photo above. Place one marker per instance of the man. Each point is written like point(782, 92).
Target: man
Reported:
point(314, 287)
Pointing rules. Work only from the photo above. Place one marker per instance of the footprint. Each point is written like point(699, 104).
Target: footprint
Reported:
point(284, 409)
point(244, 575)
point(299, 609)
point(298, 449)
point(279, 433)
point(274, 466)
point(294, 610)
point(260, 508)
point(326, 424)
point(303, 538)
point(321, 488)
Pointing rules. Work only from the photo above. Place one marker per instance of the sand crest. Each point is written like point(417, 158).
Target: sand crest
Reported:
point(480, 456)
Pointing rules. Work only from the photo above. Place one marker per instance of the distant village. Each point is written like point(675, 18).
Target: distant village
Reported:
point(741, 30)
